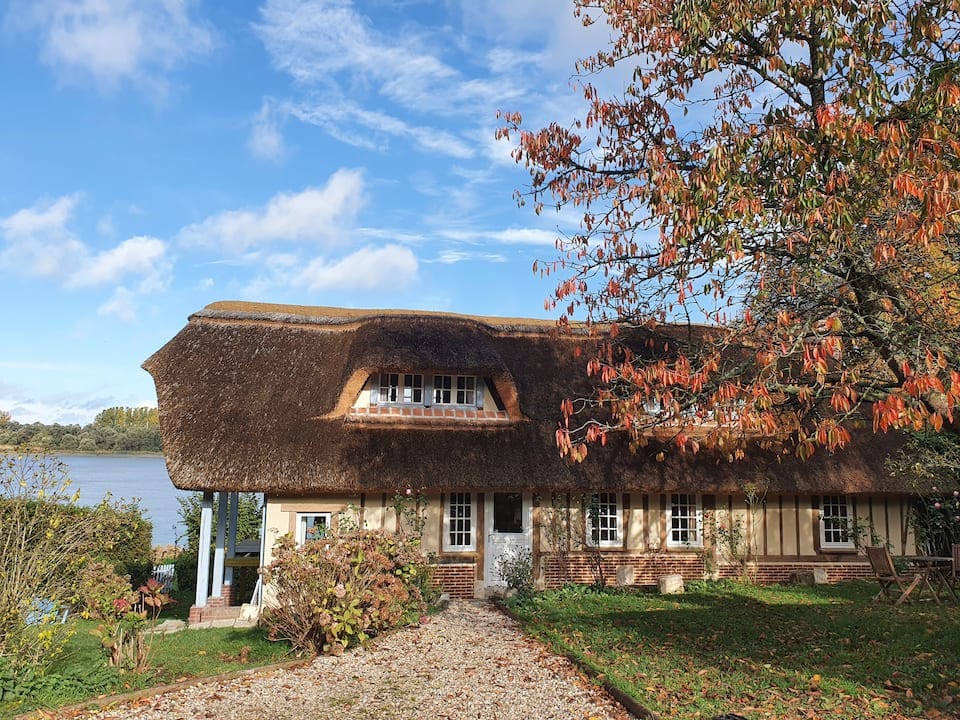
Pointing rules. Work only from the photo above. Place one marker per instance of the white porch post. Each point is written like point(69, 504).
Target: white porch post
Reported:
point(232, 536)
point(218, 551)
point(258, 590)
point(203, 552)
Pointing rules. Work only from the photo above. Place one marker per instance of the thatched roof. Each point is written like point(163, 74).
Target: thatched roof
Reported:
point(256, 397)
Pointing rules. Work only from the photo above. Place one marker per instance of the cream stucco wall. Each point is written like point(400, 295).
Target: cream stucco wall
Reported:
point(643, 529)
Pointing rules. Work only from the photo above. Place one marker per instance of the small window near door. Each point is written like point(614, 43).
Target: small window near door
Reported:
point(603, 520)
point(458, 523)
point(312, 526)
point(508, 512)
point(835, 530)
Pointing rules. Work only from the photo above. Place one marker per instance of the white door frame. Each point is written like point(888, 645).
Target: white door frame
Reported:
point(498, 544)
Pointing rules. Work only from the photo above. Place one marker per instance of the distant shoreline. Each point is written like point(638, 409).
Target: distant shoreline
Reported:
point(100, 453)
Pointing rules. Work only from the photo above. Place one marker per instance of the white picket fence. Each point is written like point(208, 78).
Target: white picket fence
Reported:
point(163, 574)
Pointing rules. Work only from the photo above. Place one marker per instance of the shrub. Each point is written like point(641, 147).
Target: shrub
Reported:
point(42, 549)
point(127, 616)
point(517, 571)
point(120, 536)
point(99, 587)
point(337, 592)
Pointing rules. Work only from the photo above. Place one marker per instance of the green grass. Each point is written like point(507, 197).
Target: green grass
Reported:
point(82, 673)
point(823, 652)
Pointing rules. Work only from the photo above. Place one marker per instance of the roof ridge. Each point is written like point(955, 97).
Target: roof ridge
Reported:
point(325, 315)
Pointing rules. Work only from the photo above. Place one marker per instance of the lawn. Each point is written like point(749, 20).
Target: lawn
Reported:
point(82, 673)
point(825, 652)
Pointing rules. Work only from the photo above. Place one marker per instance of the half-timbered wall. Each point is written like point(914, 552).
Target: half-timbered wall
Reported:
point(782, 531)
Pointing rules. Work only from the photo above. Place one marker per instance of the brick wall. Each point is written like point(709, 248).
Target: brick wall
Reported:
point(458, 579)
point(769, 573)
point(647, 568)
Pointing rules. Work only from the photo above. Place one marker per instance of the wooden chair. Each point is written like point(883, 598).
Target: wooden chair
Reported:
point(893, 586)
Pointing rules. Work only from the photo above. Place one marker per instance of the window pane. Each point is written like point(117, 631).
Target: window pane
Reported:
point(314, 527)
point(835, 520)
point(466, 390)
point(389, 387)
point(603, 517)
point(442, 389)
point(508, 512)
point(683, 519)
point(461, 525)
point(413, 388)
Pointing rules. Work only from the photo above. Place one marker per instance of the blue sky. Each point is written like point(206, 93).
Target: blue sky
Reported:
point(159, 155)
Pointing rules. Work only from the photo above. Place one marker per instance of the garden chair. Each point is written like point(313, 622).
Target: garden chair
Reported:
point(893, 586)
point(43, 610)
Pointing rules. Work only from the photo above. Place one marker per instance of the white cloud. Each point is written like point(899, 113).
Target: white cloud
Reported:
point(449, 257)
point(122, 304)
point(508, 236)
point(135, 256)
point(266, 140)
point(320, 215)
point(38, 242)
point(63, 408)
point(314, 40)
point(115, 41)
point(47, 218)
point(338, 119)
point(391, 267)
point(343, 65)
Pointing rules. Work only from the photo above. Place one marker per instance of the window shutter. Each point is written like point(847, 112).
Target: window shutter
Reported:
point(480, 385)
point(374, 389)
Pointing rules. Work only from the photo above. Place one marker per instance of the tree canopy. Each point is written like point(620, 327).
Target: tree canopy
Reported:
point(785, 172)
point(116, 429)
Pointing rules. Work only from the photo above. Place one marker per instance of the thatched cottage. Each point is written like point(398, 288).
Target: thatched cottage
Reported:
point(448, 422)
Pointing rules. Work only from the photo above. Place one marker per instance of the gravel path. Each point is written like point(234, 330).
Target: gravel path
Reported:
point(470, 661)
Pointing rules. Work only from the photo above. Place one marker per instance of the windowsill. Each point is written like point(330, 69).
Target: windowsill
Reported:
point(838, 550)
point(419, 413)
point(684, 548)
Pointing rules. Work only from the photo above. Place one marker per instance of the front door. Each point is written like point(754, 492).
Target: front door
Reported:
point(510, 521)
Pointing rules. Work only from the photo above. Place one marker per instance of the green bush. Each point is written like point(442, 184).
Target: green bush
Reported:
point(99, 588)
point(517, 571)
point(185, 572)
point(42, 549)
point(337, 592)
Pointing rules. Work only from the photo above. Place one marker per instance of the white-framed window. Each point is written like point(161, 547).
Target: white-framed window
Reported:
point(835, 530)
point(400, 388)
point(455, 390)
point(442, 389)
point(684, 521)
point(389, 387)
point(313, 526)
point(603, 520)
point(466, 390)
point(413, 388)
point(459, 524)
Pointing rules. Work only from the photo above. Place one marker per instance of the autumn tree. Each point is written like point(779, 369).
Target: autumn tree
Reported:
point(781, 178)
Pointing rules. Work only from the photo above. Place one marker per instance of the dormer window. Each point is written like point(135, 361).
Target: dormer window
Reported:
point(400, 388)
point(428, 397)
point(442, 389)
point(459, 390)
point(466, 390)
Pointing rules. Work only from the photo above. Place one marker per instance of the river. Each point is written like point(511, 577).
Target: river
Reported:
point(130, 476)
